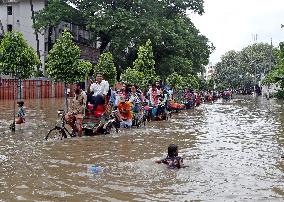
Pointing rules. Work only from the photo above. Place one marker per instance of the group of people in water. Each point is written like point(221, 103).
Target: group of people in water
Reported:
point(128, 100)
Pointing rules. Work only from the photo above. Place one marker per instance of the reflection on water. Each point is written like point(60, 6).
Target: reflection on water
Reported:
point(233, 151)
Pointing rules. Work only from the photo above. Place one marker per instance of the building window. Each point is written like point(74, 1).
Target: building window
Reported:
point(9, 28)
point(9, 10)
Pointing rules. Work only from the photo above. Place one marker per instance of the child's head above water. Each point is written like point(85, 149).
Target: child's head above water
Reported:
point(172, 150)
point(20, 103)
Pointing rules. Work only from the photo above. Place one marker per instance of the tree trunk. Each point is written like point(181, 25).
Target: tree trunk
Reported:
point(36, 32)
point(49, 42)
point(65, 95)
point(2, 28)
point(13, 126)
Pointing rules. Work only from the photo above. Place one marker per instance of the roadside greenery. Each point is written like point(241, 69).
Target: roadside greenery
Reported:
point(245, 68)
point(64, 63)
point(122, 27)
point(276, 75)
point(107, 68)
point(17, 58)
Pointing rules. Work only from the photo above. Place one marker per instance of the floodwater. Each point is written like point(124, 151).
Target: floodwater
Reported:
point(232, 150)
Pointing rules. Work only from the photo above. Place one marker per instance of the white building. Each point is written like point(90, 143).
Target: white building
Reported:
point(209, 71)
point(17, 15)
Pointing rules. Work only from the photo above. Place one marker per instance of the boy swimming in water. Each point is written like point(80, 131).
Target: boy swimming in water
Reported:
point(172, 160)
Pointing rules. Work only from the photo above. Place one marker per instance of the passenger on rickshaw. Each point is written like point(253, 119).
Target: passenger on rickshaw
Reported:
point(77, 106)
point(162, 102)
point(153, 98)
point(99, 89)
point(188, 98)
point(197, 100)
point(120, 92)
point(124, 109)
point(136, 99)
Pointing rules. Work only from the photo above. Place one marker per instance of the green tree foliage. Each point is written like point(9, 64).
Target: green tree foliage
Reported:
point(277, 74)
point(143, 71)
point(145, 62)
point(134, 77)
point(55, 12)
point(107, 68)
point(122, 26)
point(190, 81)
point(63, 62)
point(85, 68)
point(245, 68)
point(175, 80)
point(210, 84)
point(177, 64)
point(17, 58)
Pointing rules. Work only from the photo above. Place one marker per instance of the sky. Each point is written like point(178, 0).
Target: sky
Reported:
point(231, 24)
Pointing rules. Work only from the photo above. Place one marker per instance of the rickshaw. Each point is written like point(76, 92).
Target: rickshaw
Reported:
point(94, 122)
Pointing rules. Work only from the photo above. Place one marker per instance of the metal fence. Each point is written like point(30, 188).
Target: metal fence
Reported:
point(30, 89)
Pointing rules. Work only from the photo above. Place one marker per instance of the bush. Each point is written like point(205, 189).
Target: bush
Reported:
point(279, 94)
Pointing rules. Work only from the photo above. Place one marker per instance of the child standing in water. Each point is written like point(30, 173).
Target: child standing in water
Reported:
point(21, 113)
point(172, 160)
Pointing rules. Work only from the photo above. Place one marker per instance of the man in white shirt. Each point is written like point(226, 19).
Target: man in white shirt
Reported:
point(99, 90)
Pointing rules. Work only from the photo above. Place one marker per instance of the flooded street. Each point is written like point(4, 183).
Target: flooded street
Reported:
point(232, 149)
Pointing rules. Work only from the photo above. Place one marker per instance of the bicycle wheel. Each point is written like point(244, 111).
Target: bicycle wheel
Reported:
point(56, 133)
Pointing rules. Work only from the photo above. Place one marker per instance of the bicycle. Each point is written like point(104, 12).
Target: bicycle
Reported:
point(60, 132)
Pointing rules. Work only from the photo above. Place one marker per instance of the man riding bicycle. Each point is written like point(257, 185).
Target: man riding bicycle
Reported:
point(77, 107)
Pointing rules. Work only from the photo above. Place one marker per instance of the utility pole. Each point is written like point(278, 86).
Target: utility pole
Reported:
point(254, 40)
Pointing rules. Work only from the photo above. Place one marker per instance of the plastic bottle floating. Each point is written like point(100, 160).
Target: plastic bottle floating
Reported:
point(94, 169)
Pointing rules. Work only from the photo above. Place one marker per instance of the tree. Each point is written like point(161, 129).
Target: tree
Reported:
point(133, 77)
point(63, 61)
point(17, 59)
point(177, 64)
point(1, 27)
point(36, 32)
point(244, 68)
point(107, 68)
point(85, 68)
point(210, 84)
point(277, 74)
point(175, 80)
point(145, 62)
point(190, 81)
point(64, 64)
point(117, 25)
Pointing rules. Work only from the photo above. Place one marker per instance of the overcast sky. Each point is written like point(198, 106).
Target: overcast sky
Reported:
point(230, 24)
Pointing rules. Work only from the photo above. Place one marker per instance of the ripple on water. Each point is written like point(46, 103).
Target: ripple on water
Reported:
point(231, 149)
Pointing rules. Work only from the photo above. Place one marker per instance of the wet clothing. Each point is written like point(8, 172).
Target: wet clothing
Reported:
point(98, 93)
point(136, 101)
point(100, 88)
point(78, 103)
point(125, 110)
point(21, 116)
point(21, 112)
point(173, 162)
point(153, 94)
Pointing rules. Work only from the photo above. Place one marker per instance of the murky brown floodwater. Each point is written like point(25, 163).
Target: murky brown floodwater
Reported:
point(233, 150)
